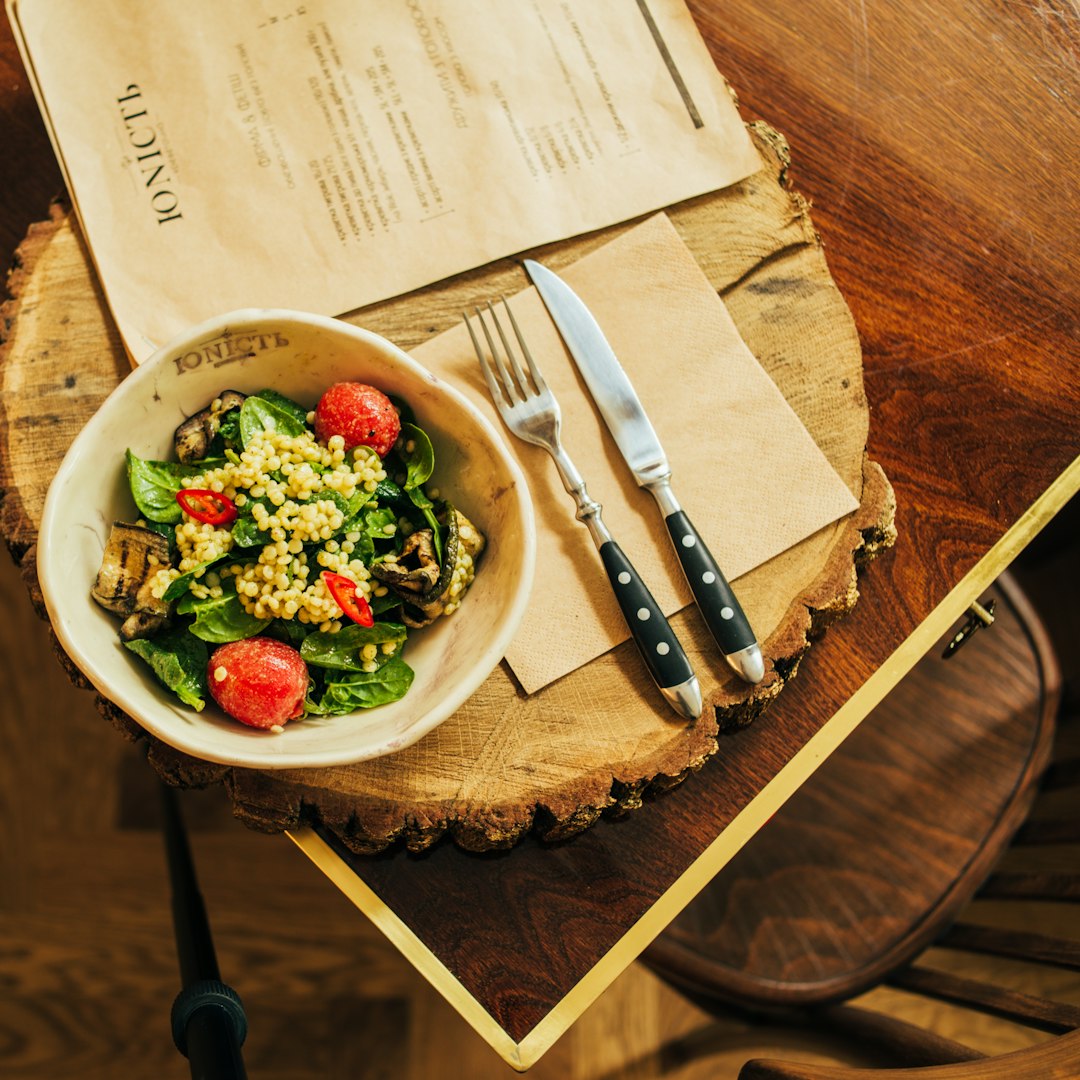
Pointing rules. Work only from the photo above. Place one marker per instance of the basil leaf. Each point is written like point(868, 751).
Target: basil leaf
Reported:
point(179, 661)
point(154, 485)
point(362, 689)
point(258, 415)
point(420, 460)
point(342, 650)
point(222, 618)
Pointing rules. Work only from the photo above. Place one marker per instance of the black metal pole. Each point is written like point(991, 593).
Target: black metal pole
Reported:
point(208, 1020)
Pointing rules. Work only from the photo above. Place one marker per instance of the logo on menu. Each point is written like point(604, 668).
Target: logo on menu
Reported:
point(152, 166)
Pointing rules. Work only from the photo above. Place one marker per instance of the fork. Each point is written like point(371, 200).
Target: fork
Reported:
point(530, 411)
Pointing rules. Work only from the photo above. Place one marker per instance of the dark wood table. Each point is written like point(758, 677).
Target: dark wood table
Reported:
point(935, 142)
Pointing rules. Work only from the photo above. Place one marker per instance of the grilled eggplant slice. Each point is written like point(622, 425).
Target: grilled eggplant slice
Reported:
point(416, 570)
point(133, 555)
point(426, 589)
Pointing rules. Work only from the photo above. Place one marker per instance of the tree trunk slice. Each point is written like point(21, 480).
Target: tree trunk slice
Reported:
point(505, 763)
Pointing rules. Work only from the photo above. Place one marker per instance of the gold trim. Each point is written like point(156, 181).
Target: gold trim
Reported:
point(409, 945)
point(752, 817)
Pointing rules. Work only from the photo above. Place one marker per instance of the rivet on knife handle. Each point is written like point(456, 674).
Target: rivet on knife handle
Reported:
point(652, 633)
point(718, 604)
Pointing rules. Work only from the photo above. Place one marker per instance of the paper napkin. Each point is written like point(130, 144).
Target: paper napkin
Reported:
point(728, 432)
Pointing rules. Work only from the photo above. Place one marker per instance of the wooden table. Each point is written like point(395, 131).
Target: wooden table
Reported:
point(934, 142)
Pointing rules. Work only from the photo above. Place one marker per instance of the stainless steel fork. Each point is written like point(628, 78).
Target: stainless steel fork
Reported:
point(530, 411)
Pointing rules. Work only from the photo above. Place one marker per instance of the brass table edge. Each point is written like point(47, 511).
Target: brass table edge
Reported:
point(522, 1055)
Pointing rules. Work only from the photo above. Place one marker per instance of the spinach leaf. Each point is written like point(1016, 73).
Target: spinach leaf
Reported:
point(179, 661)
point(181, 584)
point(373, 522)
point(427, 508)
point(245, 533)
point(420, 460)
point(221, 618)
point(229, 432)
point(342, 650)
point(154, 485)
point(293, 408)
point(353, 508)
point(388, 491)
point(258, 415)
point(407, 500)
point(361, 689)
point(291, 631)
point(381, 604)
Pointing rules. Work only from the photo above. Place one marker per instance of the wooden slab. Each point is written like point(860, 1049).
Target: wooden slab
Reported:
point(595, 741)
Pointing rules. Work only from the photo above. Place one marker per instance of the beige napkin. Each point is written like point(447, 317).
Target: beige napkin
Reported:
point(726, 428)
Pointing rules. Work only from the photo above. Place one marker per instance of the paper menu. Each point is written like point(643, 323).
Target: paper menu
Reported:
point(328, 154)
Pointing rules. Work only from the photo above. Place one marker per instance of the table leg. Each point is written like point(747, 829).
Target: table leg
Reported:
point(208, 1019)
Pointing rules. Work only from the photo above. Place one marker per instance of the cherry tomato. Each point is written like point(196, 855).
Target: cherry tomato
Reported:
point(360, 414)
point(258, 681)
point(209, 507)
point(345, 595)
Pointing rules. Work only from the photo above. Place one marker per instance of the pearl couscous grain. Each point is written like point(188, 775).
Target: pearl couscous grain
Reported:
point(290, 472)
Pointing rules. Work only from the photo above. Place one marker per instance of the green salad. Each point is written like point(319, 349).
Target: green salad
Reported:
point(312, 536)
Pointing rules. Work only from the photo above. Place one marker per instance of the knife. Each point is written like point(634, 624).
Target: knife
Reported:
point(637, 441)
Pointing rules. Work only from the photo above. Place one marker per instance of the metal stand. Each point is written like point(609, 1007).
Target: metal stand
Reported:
point(208, 1020)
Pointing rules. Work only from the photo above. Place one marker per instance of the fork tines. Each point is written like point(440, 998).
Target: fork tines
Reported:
point(510, 384)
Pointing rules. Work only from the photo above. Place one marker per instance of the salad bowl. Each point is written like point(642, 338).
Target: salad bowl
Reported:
point(297, 355)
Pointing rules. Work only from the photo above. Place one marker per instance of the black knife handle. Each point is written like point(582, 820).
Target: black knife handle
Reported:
point(652, 633)
point(718, 604)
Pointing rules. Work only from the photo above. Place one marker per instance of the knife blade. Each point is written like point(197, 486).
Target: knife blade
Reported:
point(640, 447)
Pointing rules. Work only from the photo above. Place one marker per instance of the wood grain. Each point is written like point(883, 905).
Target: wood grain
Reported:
point(900, 826)
point(595, 740)
point(930, 139)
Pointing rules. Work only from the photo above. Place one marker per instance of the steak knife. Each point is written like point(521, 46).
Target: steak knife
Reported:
point(625, 417)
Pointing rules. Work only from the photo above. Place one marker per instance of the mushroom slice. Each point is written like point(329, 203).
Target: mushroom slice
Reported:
point(193, 437)
point(124, 586)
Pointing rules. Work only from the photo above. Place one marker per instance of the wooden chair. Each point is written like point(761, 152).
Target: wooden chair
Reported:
point(871, 862)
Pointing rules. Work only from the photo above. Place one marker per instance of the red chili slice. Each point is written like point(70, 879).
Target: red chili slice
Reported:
point(209, 507)
point(351, 602)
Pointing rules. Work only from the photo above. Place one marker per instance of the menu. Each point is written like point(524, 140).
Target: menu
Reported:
point(328, 154)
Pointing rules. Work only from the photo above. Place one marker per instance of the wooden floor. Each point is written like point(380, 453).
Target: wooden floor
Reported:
point(87, 962)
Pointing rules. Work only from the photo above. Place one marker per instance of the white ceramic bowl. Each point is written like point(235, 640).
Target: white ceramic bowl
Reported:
point(298, 355)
